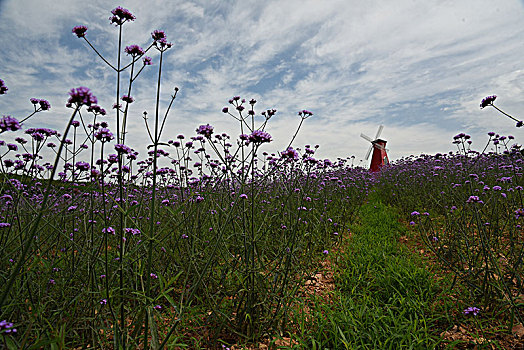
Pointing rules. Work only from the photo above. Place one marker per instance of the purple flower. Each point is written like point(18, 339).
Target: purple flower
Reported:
point(80, 31)
point(414, 213)
point(472, 310)
point(474, 199)
point(96, 109)
point(103, 302)
point(3, 88)
point(44, 105)
point(9, 123)
point(81, 96)
point(157, 307)
point(158, 35)
point(487, 101)
point(82, 166)
point(127, 99)
point(104, 135)
point(243, 196)
point(325, 252)
point(305, 113)
point(12, 147)
point(7, 327)
point(225, 110)
point(134, 50)
point(290, 153)
point(147, 61)
point(108, 230)
point(5, 224)
point(205, 130)
point(259, 137)
point(122, 149)
point(121, 15)
point(153, 275)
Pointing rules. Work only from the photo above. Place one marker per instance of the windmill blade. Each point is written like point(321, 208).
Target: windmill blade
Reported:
point(366, 137)
point(369, 152)
point(379, 131)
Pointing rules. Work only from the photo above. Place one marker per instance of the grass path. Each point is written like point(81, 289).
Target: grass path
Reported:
point(383, 297)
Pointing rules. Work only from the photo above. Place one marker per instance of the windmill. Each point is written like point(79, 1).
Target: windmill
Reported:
point(380, 157)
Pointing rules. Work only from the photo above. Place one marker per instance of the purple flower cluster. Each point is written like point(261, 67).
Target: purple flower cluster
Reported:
point(7, 327)
point(80, 31)
point(471, 311)
point(121, 15)
point(120, 148)
point(305, 113)
point(104, 135)
point(488, 101)
point(474, 199)
point(44, 131)
point(3, 88)
point(205, 130)
point(128, 99)
point(160, 40)
point(82, 166)
point(44, 104)
point(81, 96)
point(290, 154)
point(134, 50)
point(259, 137)
point(9, 123)
point(96, 109)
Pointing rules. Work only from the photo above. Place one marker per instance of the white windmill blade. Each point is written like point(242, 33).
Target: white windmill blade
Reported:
point(366, 137)
point(379, 131)
point(369, 152)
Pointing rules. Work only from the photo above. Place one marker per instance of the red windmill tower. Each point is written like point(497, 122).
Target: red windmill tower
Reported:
point(380, 157)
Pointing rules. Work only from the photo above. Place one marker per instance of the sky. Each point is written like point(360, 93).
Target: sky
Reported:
point(420, 68)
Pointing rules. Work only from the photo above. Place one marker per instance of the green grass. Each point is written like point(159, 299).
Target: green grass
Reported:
point(383, 297)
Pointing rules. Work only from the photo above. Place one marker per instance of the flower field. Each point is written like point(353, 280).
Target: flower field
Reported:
point(208, 241)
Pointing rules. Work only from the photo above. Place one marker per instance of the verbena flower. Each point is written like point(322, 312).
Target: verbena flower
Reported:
point(205, 130)
point(44, 105)
point(471, 311)
point(3, 88)
point(9, 123)
point(7, 327)
point(134, 50)
point(120, 148)
point(80, 31)
point(81, 96)
point(158, 35)
point(121, 15)
point(82, 166)
point(487, 101)
point(128, 99)
point(259, 137)
point(147, 61)
point(290, 153)
point(305, 113)
point(96, 109)
point(104, 135)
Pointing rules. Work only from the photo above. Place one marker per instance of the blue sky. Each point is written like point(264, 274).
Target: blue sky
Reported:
point(420, 68)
